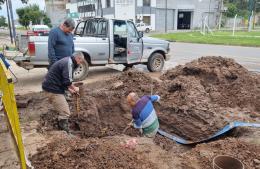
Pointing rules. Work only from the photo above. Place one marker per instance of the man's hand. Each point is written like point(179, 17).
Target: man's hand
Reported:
point(76, 89)
point(73, 89)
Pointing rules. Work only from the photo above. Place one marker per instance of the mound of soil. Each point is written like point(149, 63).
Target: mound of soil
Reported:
point(71, 153)
point(204, 95)
point(225, 82)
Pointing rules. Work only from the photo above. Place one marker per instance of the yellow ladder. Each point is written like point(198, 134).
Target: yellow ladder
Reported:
point(9, 102)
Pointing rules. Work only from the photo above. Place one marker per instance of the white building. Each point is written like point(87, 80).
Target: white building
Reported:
point(56, 11)
point(72, 10)
point(162, 15)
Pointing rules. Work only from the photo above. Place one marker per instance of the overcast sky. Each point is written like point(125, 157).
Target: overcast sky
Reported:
point(18, 4)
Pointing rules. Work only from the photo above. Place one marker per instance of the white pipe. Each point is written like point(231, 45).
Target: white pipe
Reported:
point(234, 26)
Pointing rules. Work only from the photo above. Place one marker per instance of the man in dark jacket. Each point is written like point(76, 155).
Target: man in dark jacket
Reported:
point(59, 79)
point(60, 42)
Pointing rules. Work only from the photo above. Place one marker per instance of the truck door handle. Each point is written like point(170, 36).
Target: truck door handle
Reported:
point(74, 38)
point(103, 38)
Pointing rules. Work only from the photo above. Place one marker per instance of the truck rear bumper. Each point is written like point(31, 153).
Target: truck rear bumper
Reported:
point(23, 62)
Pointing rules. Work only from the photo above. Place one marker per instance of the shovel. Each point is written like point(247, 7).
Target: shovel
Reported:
point(77, 97)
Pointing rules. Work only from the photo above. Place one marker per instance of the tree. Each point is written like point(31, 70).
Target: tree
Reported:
point(47, 20)
point(3, 21)
point(232, 10)
point(31, 13)
point(239, 7)
point(243, 7)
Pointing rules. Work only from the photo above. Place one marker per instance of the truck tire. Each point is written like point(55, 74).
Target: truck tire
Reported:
point(155, 62)
point(147, 30)
point(81, 72)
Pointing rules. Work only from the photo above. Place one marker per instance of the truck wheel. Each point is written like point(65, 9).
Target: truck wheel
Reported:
point(81, 72)
point(155, 62)
point(147, 30)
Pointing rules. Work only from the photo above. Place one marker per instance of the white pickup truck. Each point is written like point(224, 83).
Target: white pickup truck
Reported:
point(143, 27)
point(102, 41)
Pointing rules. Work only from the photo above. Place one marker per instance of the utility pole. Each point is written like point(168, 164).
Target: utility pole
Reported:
point(12, 18)
point(101, 8)
point(166, 11)
point(9, 22)
point(209, 11)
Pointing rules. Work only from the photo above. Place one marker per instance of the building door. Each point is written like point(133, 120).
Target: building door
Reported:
point(184, 20)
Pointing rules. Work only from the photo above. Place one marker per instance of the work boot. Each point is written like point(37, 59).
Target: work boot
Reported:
point(64, 125)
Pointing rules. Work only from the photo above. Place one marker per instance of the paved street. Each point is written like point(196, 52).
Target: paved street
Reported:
point(246, 56)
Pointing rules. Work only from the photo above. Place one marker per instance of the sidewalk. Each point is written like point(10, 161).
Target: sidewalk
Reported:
point(8, 157)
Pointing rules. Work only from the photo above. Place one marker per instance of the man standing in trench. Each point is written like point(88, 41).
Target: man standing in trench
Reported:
point(144, 115)
point(59, 79)
point(60, 42)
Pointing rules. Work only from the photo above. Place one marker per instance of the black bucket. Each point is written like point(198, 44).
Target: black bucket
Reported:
point(227, 162)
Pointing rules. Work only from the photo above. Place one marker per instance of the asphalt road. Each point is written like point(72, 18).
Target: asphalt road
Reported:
point(249, 57)
point(30, 81)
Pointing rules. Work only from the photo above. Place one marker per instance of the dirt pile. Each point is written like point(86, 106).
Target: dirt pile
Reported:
point(204, 95)
point(71, 153)
point(202, 155)
point(225, 82)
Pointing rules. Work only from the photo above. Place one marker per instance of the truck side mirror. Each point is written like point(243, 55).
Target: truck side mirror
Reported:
point(141, 34)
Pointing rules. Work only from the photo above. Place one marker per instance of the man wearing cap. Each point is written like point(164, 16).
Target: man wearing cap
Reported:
point(60, 43)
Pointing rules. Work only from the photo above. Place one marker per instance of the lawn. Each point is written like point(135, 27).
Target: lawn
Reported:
point(223, 38)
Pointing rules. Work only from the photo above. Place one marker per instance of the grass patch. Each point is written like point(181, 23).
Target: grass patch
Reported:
point(221, 38)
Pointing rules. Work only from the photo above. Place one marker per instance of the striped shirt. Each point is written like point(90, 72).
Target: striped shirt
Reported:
point(144, 114)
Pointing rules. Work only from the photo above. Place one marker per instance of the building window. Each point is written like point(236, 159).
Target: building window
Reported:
point(147, 20)
point(146, 2)
point(108, 3)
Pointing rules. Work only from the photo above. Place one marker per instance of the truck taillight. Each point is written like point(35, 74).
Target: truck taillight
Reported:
point(31, 48)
